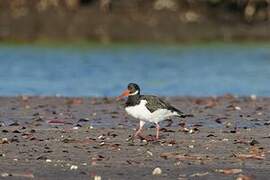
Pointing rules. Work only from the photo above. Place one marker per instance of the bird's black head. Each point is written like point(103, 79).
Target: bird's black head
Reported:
point(132, 90)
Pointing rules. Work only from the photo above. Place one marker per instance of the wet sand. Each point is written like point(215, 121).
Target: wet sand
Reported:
point(87, 138)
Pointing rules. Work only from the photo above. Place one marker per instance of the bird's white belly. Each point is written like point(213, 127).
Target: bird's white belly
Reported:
point(141, 112)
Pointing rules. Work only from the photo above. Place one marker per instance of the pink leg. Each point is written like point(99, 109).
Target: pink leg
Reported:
point(158, 128)
point(140, 129)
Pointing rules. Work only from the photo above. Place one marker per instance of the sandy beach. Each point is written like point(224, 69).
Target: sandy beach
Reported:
point(88, 138)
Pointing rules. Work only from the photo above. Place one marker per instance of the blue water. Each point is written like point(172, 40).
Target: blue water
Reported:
point(171, 70)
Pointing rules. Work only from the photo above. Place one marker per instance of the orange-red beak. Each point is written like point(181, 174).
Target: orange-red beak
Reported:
point(124, 94)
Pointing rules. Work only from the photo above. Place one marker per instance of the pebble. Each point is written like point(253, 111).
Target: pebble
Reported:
point(228, 124)
point(157, 171)
point(178, 163)
point(199, 174)
point(254, 142)
point(191, 131)
point(48, 160)
point(149, 153)
point(73, 167)
point(101, 137)
point(237, 108)
point(5, 174)
point(4, 141)
point(97, 178)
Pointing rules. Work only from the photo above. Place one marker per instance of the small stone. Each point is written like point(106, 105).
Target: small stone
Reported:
point(165, 4)
point(42, 158)
point(229, 171)
point(254, 142)
point(4, 141)
point(157, 171)
point(83, 120)
point(178, 163)
point(228, 124)
point(5, 174)
point(191, 16)
point(186, 129)
point(199, 174)
point(237, 108)
point(250, 10)
point(101, 137)
point(16, 131)
point(14, 124)
point(73, 167)
point(48, 160)
point(97, 178)
point(243, 177)
point(191, 131)
point(149, 153)
point(5, 131)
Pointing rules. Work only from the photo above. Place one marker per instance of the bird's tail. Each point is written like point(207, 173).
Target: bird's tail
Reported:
point(180, 114)
point(183, 115)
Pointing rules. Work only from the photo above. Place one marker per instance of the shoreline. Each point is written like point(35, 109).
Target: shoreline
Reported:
point(52, 138)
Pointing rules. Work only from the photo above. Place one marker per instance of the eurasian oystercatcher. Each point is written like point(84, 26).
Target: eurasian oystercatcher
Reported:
point(147, 108)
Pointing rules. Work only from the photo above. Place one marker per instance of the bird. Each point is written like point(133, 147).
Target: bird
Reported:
point(147, 108)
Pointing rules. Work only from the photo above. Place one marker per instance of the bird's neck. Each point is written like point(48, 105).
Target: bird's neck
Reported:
point(133, 100)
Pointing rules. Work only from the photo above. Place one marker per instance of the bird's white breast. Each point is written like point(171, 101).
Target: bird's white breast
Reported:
point(141, 112)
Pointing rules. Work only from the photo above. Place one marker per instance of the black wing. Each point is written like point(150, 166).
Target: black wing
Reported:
point(154, 103)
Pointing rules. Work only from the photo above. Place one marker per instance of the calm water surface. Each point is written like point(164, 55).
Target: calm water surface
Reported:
point(171, 70)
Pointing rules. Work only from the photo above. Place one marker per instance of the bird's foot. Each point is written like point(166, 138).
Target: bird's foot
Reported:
point(135, 136)
point(150, 138)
